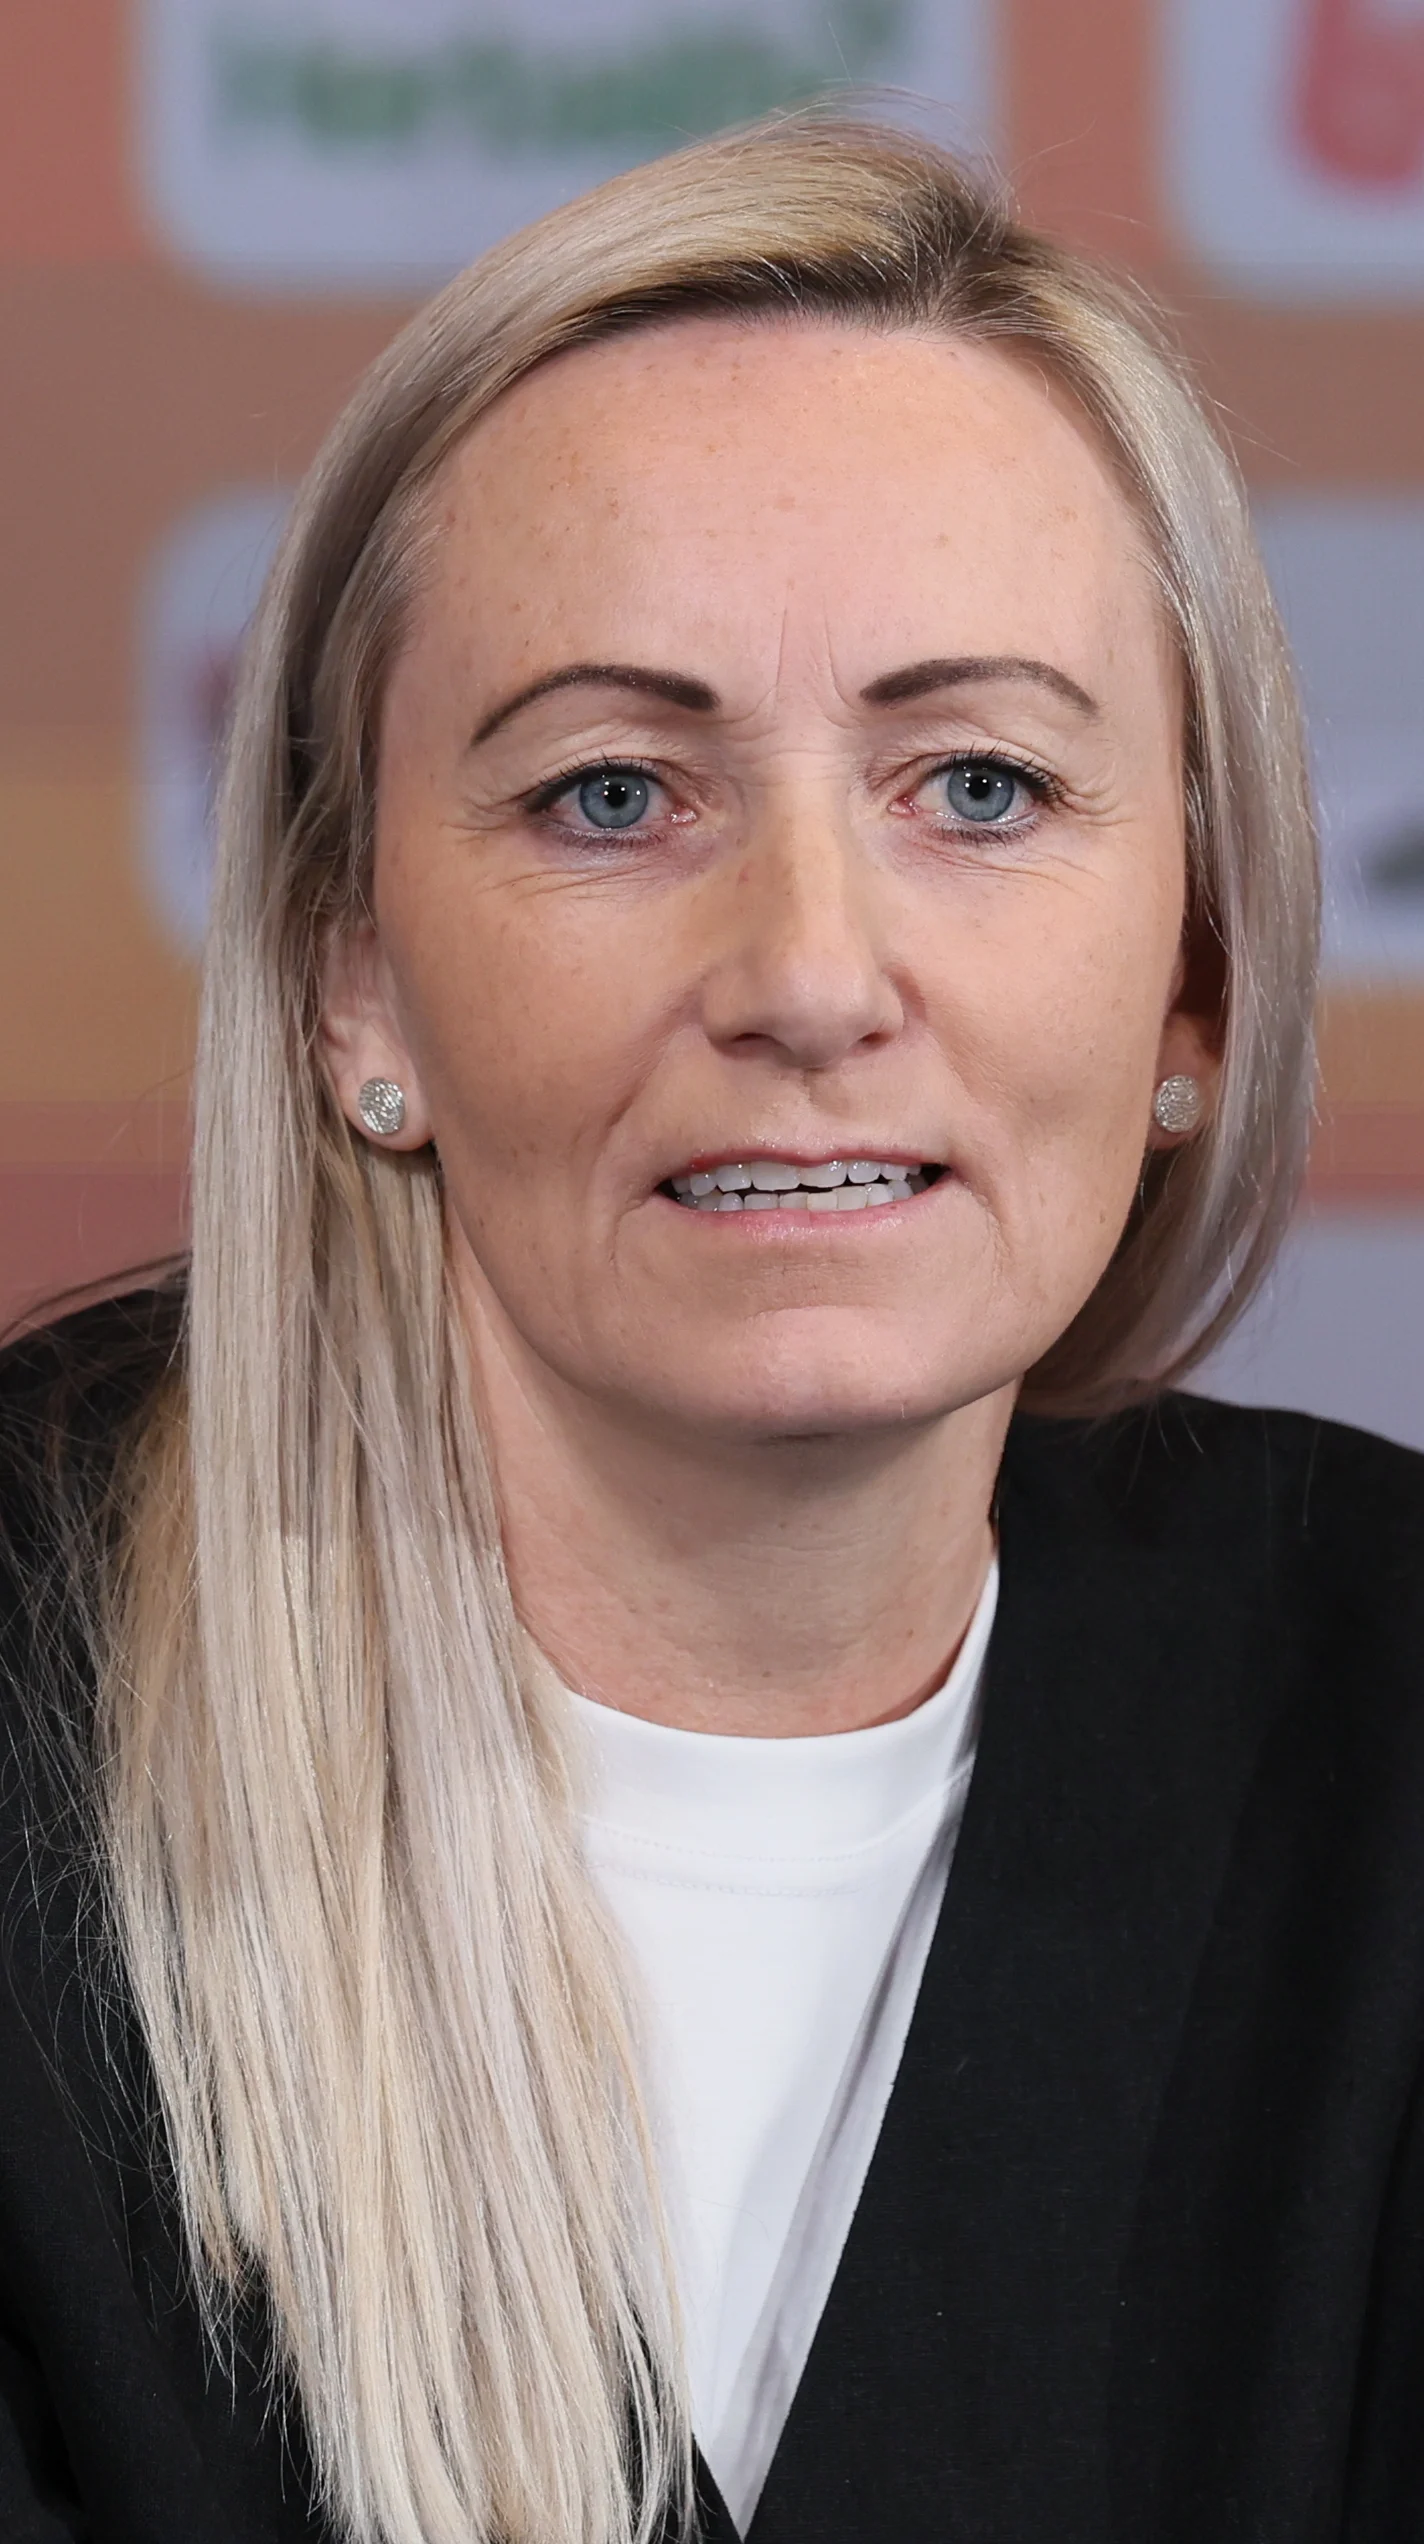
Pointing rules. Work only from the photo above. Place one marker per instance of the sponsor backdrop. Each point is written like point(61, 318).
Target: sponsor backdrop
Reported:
point(214, 212)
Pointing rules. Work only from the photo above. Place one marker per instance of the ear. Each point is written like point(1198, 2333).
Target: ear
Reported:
point(360, 1033)
point(1190, 1044)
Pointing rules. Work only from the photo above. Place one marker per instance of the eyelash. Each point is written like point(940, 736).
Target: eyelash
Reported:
point(1040, 782)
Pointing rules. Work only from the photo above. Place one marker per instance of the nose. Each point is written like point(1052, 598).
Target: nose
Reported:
point(800, 967)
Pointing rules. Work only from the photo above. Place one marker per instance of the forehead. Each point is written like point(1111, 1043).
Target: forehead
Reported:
point(874, 494)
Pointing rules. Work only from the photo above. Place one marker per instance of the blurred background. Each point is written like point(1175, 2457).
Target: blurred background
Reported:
point(213, 213)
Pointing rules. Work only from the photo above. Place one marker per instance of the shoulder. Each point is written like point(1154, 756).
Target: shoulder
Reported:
point(70, 1394)
point(1285, 1504)
point(1212, 1607)
point(80, 1379)
point(1179, 1448)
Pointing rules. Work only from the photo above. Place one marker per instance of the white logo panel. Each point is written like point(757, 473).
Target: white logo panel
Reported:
point(201, 592)
point(1349, 575)
point(348, 145)
point(1294, 142)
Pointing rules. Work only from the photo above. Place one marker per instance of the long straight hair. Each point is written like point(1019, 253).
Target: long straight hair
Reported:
point(384, 2014)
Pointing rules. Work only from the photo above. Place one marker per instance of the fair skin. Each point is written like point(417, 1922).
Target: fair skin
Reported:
point(802, 901)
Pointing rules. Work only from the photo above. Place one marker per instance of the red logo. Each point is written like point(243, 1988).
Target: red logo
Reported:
point(1359, 96)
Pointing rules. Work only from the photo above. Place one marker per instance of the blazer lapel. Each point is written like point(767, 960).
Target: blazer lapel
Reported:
point(956, 2386)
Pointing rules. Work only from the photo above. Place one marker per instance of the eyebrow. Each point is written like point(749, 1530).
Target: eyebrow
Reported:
point(892, 689)
point(675, 687)
point(917, 680)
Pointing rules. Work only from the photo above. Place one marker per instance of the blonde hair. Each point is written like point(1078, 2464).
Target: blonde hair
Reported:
point(383, 2012)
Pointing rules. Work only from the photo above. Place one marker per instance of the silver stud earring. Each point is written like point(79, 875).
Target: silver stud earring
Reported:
point(1177, 1105)
point(381, 1105)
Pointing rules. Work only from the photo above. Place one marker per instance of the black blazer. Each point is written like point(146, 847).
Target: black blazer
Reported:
point(1140, 2257)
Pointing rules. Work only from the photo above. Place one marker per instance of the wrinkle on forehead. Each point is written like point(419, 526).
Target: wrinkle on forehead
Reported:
point(765, 485)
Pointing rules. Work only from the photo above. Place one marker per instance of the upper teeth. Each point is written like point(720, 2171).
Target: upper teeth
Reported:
point(770, 1183)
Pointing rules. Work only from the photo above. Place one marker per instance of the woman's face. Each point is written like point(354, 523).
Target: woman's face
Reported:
point(781, 772)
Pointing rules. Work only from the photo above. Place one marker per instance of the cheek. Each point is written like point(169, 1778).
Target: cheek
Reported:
point(1057, 1020)
point(1094, 1028)
point(513, 1023)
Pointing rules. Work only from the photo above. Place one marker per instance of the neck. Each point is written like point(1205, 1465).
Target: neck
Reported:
point(766, 1587)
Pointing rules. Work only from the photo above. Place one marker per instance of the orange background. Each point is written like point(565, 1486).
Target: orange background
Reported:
point(133, 390)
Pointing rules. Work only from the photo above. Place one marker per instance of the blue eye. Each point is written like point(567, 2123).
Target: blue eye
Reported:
point(980, 790)
point(614, 798)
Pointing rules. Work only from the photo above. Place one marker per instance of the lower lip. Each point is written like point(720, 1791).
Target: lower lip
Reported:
point(780, 1227)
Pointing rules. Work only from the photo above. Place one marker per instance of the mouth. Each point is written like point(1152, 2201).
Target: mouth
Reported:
point(826, 1186)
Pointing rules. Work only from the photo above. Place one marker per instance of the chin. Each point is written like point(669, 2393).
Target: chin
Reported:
point(817, 1392)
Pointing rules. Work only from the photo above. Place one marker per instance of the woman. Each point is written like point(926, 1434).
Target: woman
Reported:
point(763, 951)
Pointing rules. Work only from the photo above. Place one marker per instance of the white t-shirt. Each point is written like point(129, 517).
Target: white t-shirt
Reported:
point(777, 1898)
